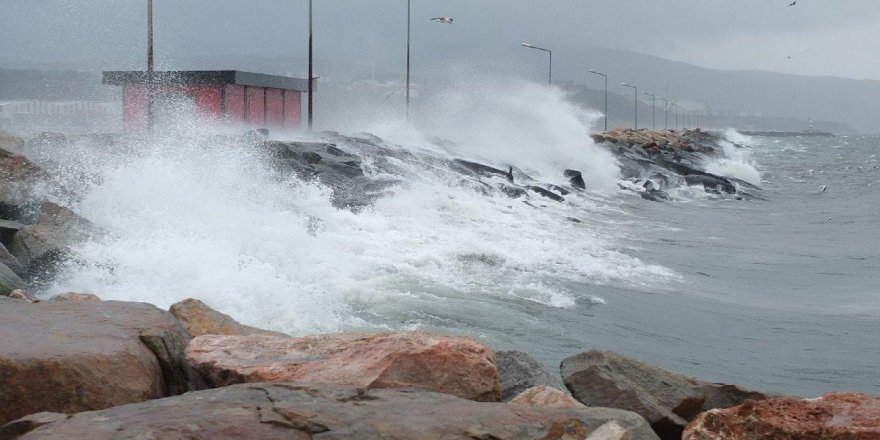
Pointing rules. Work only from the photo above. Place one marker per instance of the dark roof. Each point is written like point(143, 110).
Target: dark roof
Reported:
point(208, 77)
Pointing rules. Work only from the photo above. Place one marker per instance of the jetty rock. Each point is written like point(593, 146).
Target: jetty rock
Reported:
point(40, 247)
point(836, 416)
point(69, 357)
point(667, 400)
point(269, 411)
point(199, 319)
point(446, 364)
point(519, 372)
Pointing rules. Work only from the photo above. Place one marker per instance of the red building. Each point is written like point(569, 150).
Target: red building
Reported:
point(252, 99)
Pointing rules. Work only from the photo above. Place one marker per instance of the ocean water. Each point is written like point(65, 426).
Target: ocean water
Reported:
point(779, 293)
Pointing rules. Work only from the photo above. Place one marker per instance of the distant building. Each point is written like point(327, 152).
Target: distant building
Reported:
point(251, 99)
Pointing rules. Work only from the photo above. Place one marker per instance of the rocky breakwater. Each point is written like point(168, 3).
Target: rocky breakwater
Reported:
point(655, 162)
point(71, 357)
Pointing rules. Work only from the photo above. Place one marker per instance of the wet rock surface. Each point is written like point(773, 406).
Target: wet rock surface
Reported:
point(446, 364)
point(297, 411)
point(546, 397)
point(71, 357)
point(837, 416)
point(41, 246)
point(519, 371)
point(198, 319)
point(667, 400)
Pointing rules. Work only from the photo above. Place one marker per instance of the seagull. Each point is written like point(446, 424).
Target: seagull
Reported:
point(792, 4)
point(823, 188)
point(445, 20)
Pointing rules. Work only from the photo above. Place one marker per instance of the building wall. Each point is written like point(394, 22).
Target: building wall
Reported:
point(136, 106)
point(235, 103)
point(274, 107)
point(255, 103)
point(254, 106)
point(292, 109)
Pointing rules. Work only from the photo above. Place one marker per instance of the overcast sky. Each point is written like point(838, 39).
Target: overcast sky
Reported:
point(821, 37)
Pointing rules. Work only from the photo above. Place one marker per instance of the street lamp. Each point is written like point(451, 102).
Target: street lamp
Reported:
point(665, 112)
point(311, 92)
point(151, 68)
point(550, 76)
point(653, 99)
point(636, 90)
point(606, 95)
point(446, 20)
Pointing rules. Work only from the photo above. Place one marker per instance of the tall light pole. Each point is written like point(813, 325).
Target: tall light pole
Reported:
point(665, 112)
point(653, 99)
point(636, 91)
point(311, 107)
point(151, 65)
point(606, 95)
point(408, 32)
point(550, 76)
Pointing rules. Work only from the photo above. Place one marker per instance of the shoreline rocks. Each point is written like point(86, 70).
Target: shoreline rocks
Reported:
point(198, 319)
point(446, 364)
point(667, 400)
point(269, 411)
point(72, 357)
point(836, 416)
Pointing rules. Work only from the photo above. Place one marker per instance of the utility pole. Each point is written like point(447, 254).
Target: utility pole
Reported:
point(311, 107)
point(408, 31)
point(151, 67)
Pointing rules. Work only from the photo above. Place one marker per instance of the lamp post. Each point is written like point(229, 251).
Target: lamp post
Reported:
point(311, 92)
point(665, 112)
point(151, 67)
point(636, 91)
point(653, 99)
point(550, 76)
point(408, 32)
point(606, 95)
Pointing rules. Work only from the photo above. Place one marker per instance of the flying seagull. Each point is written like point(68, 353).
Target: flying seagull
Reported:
point(792, 4)
point(446, 20)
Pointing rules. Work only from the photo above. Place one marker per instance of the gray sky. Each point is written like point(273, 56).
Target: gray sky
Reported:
point(822, 37)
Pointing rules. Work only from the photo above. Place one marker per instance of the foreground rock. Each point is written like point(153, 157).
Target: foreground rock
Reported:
point(296, 411)
point(199, 319)
point(840, 416)
point(547, 397)
point(518, 372)
point(445, 364)
point(668, 401)
point(72, 357)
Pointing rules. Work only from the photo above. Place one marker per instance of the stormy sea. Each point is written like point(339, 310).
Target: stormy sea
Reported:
point(471, 225)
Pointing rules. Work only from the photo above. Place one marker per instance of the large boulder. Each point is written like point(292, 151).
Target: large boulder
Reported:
point(199, 319)
point(838, 416)
point(72, 357)
point(269, 411)
point(518, 372)
point(667, 400)
point(445, 364)
point(41, 246)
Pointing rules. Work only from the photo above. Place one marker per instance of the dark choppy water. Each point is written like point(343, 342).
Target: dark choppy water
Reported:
point(781, 294)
